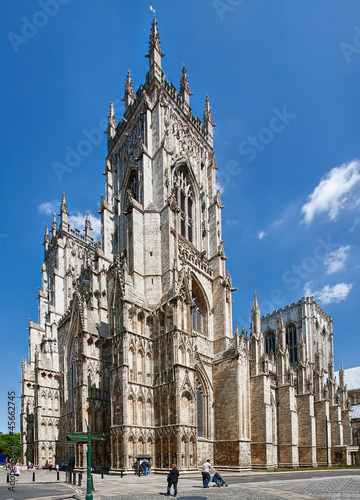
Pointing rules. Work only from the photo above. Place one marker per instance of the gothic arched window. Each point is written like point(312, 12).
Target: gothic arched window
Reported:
point(133, 186)
point(291, 342)
point(185, 201)
point(199, 401)
point(269, 342)
point(198, 308)
point(196, 315)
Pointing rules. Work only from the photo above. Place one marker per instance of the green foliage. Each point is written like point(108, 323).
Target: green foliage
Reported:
point(6, 447)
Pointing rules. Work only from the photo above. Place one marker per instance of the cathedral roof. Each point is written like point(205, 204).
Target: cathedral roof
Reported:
point(355, 411)
point(351, 378)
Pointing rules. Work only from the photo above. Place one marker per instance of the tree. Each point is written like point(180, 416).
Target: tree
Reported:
point(6, 447)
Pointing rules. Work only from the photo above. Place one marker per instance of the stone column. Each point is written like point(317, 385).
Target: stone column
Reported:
point(261, 422)
point(307, 430)
point(323, 432)
point(336, 425)
point(288, 427)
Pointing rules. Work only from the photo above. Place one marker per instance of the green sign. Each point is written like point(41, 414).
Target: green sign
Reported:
point(86, 437)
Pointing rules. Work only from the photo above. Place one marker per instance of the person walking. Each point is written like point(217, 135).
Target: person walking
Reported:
point(172, 479)
point(145, 466)
point(206, 473)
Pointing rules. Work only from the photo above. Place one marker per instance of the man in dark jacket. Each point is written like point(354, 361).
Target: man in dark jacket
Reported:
point(172, 478)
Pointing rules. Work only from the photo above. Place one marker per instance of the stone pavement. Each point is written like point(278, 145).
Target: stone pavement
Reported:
point(263, 486)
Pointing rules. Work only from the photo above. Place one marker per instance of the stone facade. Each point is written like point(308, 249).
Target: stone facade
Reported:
point(135, 333)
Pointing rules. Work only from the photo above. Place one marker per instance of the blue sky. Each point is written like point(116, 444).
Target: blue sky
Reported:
point(283, 80)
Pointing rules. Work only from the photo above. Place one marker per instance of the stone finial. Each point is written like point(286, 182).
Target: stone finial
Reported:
point(236, 331)
point(281, 332)
point(341, 376)
point(54, 226)
point(88, 227)
point(129, 96)
point(255, 316)
point(184, 91)
point(208, 123)
point(64, 214)
point(111, 128)
point(46, 238)
point(63, 206)
point(207, 112)
point(155, 53)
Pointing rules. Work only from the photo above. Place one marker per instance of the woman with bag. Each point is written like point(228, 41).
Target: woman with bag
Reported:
point(172, 478)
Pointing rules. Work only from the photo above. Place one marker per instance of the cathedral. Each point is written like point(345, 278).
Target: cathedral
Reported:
point(135, 336)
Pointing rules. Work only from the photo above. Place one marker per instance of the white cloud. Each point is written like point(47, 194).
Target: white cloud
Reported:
point(334, 192)
point(219, 187)
point(329, 294)
point(77, 220)
point(261, 234)
point(49, 207)
point(278, 222)
point(231, 222)
point(335, 261)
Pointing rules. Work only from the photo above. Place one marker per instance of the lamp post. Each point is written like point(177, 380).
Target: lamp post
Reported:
point(89, 495)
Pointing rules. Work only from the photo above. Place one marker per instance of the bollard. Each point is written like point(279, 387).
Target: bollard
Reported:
point(102, 473)
point(121, 474)
point(70, 478)
point(92, 483)
point(33, 476)
point(79, 479)
point(74, 478)
point(57, 475)
point(8, 478)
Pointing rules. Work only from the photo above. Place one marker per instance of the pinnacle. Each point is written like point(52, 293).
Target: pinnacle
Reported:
point(255, 304)
point(184, 82)
point(87, 221)
point(63, 206)
point(129, 88)
point(154, 43)
point(207, 112)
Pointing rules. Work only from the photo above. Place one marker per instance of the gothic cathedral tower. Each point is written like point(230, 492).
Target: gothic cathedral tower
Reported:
point(175, 360)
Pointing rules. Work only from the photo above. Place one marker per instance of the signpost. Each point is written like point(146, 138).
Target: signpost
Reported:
point(83, 437)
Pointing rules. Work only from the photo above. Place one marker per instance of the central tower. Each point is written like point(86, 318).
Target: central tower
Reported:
point(169, 295)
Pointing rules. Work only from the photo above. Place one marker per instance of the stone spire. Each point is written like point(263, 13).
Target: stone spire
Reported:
point(184, 91)
point(281, 333)
point(129, 96)
point(331, 360)
point(88, 228)
point(255, 317)
point(111, 128)
point(341, 376)
point(302, 348)
point(155, 53)
point(64, 214)
point(208, 123)
point(46, 238)
point(54, 226)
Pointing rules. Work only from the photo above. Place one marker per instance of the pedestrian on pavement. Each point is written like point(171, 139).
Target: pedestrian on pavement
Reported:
point(145, 465)
point(206, 473)
point(172, 479)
